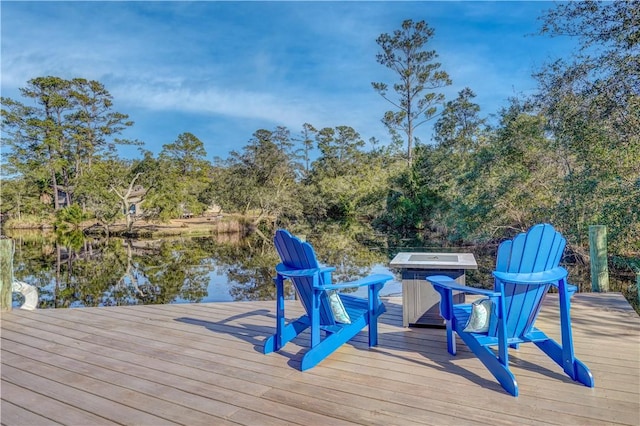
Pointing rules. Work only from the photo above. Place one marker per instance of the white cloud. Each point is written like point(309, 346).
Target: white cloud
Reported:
point(212, 100)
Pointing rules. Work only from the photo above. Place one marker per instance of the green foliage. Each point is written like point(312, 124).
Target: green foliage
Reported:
point(410, 203)
point(350, 185)
point(261, 179)
point(21, 197)
point(303, 155)
point(181, 177)
point(54, 140)
point(508, 182)
point(592, 104)
point(70, 217)
point(111, 186)
point(340, 150)
point(71, 238)
point(568, 156)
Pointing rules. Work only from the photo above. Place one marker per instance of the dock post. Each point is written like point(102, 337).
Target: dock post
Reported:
point(598, 258)
point(6, 273)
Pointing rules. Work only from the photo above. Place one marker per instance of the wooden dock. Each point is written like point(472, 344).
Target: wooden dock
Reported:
point(201, 364)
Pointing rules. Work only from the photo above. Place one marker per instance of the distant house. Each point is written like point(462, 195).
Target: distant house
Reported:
point(62, 197)
point(135, 201)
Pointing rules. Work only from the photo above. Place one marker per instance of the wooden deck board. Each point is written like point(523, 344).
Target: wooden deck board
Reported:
point(202, 364)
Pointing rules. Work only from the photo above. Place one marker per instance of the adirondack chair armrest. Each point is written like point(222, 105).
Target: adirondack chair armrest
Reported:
point(446, 285)
point(450, 284)
point(366, 281)
point(552, 276)
point(294, 273)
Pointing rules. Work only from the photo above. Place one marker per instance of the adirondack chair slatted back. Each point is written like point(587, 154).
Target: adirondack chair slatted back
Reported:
point(296, 254)
point(537, 250)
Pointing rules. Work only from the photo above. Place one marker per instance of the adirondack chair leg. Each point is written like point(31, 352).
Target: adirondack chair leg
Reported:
point(568, 361)
point(553, 351)
point(446, 312)
point(277, 341)
point(499, 370)
point(574, 368)
point(373, 324)
point(451, 338)
point(373, 330)
point(583, 374)
point(280, 319)
point(374, 312)
point(570, 364)
point(329, 345)
point(315, 319)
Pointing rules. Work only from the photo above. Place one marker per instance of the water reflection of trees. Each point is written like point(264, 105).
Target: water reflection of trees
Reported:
point(105, 272)
point(351, 258)
point(66, 275)
point(248, 266)
point(72, 271)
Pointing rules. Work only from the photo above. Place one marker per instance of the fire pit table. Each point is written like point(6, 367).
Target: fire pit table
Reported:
point(419, 300)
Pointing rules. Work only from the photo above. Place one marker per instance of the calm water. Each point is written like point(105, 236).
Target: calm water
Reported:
point(76, 272)
point(71, 271)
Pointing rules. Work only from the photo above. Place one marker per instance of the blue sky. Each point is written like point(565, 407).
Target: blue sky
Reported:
point(222, 70)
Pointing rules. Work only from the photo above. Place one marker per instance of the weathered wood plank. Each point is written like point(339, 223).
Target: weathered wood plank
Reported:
point(207, 391)
point(44, 406)
point(11, 414)
point(167, 402)
point(213, 386)
point(74, 397)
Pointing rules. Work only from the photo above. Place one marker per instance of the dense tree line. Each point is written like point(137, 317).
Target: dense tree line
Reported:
point(569, 155)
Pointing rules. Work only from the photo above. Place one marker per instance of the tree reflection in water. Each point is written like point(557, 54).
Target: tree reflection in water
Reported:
point(73, 271)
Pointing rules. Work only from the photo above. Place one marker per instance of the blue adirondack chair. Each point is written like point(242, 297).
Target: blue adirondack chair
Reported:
point(525, 269)
point(338, 316)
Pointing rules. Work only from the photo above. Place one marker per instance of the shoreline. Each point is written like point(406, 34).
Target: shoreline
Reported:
point(144, 229)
